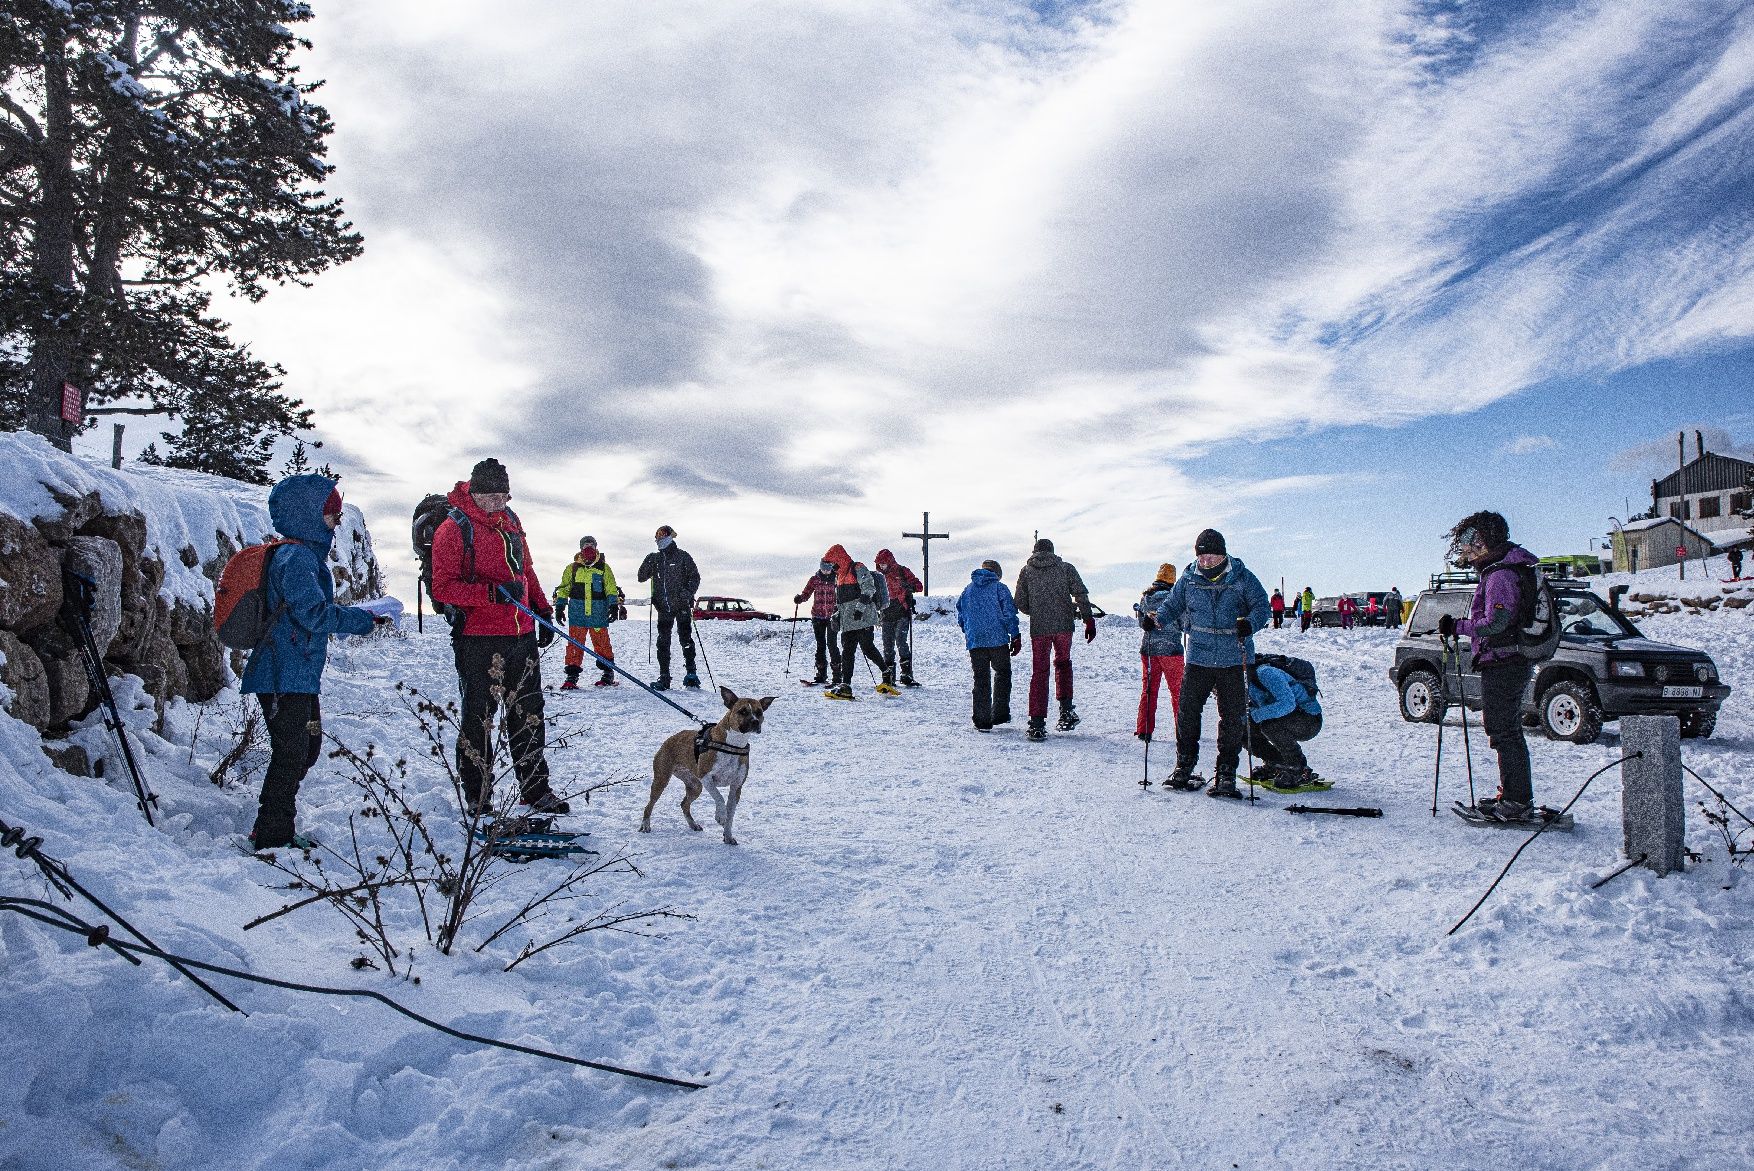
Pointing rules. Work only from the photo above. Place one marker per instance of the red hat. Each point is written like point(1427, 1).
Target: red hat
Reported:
point(332, 506)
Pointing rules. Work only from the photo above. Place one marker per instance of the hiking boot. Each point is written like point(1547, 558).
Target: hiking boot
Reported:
point(548, 801)
point(298, 841)
point(1183, 778)
point(908, 680)
point(1263, 773)
point(983, 727)
point(1223, 785)
point(841, 691)
point(661, 683)
point(1001, 719)
point(1068, 718)
point(691, 680)
point(1509, 811)
point(1038, 728)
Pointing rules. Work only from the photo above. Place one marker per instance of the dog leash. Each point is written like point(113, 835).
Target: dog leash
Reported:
point(601, 661)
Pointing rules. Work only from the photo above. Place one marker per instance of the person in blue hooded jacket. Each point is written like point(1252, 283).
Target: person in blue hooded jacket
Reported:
point(1219, 605)
point(285, 670)
point(1282, 714)
point(988, 616)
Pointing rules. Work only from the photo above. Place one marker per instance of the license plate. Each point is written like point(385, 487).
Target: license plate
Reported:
point(1683, 693)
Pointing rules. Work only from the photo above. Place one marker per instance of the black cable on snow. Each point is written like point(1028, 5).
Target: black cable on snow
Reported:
point(96, 936)
point(1715, 793)
point(1538, 832)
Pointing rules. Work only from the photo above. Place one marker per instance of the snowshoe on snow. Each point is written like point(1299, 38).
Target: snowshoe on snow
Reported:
point(841, 692)
point(1494, 815)
point(1184, 779)
point(1224, 785)
point(692, 681)
point(1292, 781)
point(570, 685)
point(1068, 718)
point(661, 683)
point(1038, 728)
point(888, 689)
point(909, 681)
point(524, 839)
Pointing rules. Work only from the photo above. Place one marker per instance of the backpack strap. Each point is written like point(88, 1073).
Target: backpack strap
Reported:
point(466, 528)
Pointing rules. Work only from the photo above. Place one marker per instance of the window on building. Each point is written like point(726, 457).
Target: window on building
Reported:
point(1678, 510)
point(1709, 507)
point(1741, 502)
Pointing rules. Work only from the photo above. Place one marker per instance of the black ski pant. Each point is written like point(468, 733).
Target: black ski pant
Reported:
point(684, 624)
point(1501, 695)
point(858, 640)
point(1278, 742)
point(493, 669)
point(827, 649)
point(1199, 683)
point(295, 737)
point(898, 638)
point(992, 685)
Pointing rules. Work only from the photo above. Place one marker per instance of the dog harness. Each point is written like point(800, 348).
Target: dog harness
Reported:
point(704, 743)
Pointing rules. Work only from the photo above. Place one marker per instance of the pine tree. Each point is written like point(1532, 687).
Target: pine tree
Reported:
point(147, 147)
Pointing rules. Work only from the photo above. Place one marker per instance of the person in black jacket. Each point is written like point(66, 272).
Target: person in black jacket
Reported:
point(675, 581)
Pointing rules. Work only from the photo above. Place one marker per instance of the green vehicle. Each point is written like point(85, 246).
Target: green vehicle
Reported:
point(1564, 565)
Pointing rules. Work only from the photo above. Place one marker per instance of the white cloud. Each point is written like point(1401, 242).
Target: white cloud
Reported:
point(1529, 445)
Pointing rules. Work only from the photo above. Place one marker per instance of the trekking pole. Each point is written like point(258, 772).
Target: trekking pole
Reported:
point(1437, 766)
point(791, 641)
point(1248, 717)
point(1467, 749)
point(80, 588)
point(609, 664)
point(1145, 781)
point(706, 659)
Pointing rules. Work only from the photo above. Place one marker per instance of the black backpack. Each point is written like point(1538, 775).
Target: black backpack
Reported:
point(428, 516)
point(1536, 634)
point(1301, 670)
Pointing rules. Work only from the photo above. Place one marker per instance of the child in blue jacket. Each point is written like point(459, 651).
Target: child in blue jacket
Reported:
point(1282, 715)
point(988, 616)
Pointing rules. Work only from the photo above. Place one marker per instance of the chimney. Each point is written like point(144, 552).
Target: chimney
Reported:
point(1699, 443)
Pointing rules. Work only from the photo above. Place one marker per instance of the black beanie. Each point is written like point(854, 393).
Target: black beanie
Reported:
point(1044, 546)
point(489, 476)
point(1210, 541)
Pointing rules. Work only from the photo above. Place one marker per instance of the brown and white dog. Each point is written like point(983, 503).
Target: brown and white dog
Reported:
point(714, 756)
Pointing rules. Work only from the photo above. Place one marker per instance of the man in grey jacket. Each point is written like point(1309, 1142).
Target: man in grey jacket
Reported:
point(1050, 591)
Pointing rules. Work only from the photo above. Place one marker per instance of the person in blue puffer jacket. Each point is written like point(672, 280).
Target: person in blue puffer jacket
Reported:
point(285, 671)
point(988, 616)
point(1282, 714)
point(1219, 604)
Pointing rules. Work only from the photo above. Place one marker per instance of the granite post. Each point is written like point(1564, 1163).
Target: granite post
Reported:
point(1652, 807)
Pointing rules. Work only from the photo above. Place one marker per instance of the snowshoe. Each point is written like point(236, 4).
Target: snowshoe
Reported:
point(661, 683)
point(691, 681)
point(1292, 781)
point(1038, 729)
point(607, 681)
point(1184, 780)
point(524, 839)
point(909, 681)
point(1224, 785)
point(816, 682)
point(1068, 719)
point(570, 685)
point(841, 692)
point(888, 689)
point(1493, 815)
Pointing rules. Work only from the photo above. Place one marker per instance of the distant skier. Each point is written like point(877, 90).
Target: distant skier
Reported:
point(285, 670)
point(1277, 604)
point(1305, 608)
point(590, 600)
point(1160, 653)
point(898, 615)
point(1501, 606)
point(988, 617)
point(1220, 604)
point(1050, 591)
point(675, 582)
point(860, 596)
point(820, 590)
point(1282, 714)
point(481, 565)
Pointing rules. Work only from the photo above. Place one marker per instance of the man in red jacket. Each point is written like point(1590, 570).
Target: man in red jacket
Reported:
point(480, 566)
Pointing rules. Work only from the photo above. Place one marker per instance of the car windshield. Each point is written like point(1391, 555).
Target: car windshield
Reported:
point(1433, 606)
point(1587, 616)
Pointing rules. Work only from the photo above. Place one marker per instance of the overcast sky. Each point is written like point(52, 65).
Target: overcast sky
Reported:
point(1323, 275)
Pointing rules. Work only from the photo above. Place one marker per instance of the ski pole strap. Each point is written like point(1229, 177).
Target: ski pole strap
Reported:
point(609, 664)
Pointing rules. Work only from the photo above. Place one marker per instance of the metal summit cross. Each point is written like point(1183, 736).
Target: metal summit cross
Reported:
point(925, 537)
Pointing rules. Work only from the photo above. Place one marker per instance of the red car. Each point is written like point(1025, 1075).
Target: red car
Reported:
point(729, 610)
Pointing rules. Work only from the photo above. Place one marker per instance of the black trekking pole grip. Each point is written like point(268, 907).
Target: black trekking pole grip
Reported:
point(601, 661)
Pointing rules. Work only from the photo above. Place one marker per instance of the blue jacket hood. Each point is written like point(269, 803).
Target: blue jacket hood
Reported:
point(296, 508)
point(983, 577)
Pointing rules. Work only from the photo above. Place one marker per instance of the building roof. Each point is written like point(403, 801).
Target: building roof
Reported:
point(1657, 522)
point(1711, 472)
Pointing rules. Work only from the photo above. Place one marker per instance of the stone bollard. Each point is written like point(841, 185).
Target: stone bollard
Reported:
point(1652, 808)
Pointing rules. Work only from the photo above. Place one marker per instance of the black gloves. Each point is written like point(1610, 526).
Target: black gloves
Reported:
point(1446, 625)
point(1244, 628)
point(544, 635)
point(797, 599)
point(1147, 621)
point(1145, 736)
point(513, 591)
point(1090, 630)
point(1016, 644)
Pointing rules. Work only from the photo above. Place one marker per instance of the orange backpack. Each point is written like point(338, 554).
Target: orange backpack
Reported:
point(240, 600)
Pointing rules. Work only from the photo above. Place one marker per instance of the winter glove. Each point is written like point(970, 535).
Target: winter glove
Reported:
point(1145, 736)
point(1147, 621)
point(1016, 644)
point(512, 591)
point(621, 613)
point(1446, 625)
point(1244, 628)
point(797, 599)
point(1090, 630)
point(544, 636)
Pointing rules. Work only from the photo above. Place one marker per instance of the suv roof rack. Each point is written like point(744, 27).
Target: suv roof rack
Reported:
point(1452, 578)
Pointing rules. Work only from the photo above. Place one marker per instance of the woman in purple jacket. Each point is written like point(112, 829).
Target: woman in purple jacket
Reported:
point(1500, 608)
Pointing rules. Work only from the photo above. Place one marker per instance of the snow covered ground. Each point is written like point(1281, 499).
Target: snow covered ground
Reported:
point(934, 948)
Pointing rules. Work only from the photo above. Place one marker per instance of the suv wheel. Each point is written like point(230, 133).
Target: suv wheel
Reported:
point(1698, 725)
point(1569, 711)
point(1422, 698)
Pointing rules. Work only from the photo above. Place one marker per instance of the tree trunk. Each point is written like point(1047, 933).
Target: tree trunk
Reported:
point(52, 265)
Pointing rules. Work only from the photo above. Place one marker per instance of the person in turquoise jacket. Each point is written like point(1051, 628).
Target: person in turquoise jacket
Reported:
point(1219, 604)
point(285, 670)
point(1283, 715)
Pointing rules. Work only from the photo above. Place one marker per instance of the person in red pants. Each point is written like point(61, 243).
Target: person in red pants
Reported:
point(1050, 591)
point(1161, 653)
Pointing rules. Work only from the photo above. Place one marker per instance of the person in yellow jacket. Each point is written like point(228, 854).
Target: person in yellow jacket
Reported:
point(592, 601)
